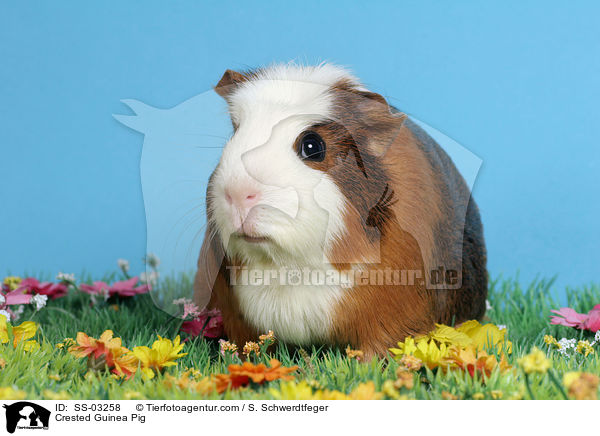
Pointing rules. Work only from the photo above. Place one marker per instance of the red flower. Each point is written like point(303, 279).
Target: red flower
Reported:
point(125, 288)
point(34, 286)
point(208, 324)
point(593, 320)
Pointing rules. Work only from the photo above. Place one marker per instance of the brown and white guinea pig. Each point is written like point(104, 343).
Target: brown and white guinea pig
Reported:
point(322, 177)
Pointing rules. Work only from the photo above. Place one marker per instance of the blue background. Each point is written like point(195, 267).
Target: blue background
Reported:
point(517, 84)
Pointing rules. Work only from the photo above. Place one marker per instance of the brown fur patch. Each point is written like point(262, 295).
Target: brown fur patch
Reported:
point(373, 316)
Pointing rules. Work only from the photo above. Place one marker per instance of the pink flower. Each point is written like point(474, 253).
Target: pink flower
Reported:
point(16, 297)
point(34, 286)
point(568, 317)
point(127, 288)
point(124, 288)
point(94, 289)
point(13, 298)
point(586, 321)
point(592, 322)
point(209, 323)
point(190, 310)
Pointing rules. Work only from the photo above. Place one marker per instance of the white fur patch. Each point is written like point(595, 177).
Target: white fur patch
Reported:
point(297, 314)
point(301, 209)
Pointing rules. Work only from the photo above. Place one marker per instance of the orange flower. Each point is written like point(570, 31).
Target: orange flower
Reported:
point(241, 375)
point(472, 360)
point(125, 365)
point(354, 354)
point(582, 386)
point(410, 363)
point(251, 347)
point(97, 347)
point(105, 352)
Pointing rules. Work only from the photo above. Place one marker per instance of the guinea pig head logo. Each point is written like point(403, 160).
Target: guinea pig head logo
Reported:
point(302, 175)
point(26, 415)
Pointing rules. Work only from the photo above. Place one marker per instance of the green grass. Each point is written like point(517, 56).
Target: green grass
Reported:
point(525, 312)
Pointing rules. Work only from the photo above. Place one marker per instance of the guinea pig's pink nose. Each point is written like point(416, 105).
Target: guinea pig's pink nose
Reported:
point(242, 197)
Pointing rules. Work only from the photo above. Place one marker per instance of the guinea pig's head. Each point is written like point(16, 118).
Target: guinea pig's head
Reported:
point(303, 168)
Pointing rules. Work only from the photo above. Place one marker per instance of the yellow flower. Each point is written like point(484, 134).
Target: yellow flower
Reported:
point(227, 347)
point(132, 395)
point(203, 386)
point(162, 354)
point(410, 363)
point(51, 395)
point(497, 395)
point(12, 282)
point(292, 391)
point(478, 396)
point(302, 391)
point(485, 335)
point(390, 391)
point(433, 348)
point(354, 354)
point(21, 333)
point(251, 347)
point(55, 377)
point(66, 343)
point(9, 393)
point(2, 363)
point(407, 347)
point(448, 396)
point(195, 373)
point(365, 391)
point(426, 350)
point(267, 339)
point(450, 336)
point(551, 340)
point(581, 385)
point(585, 348)
point(405, 380)
point(570, 377)
point(535, 361)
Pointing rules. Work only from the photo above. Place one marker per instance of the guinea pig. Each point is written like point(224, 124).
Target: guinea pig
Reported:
point(333, 219)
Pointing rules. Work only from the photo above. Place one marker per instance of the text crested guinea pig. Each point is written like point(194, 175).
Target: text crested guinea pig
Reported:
point(333, 219)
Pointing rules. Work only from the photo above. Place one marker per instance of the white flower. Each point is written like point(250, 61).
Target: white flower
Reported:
point(123, 265)
point(64, 277)
point(2, 300)
point(150, 278)
point(488, 306)
point(6, 314)
point(152, 260)
point(564, 345)
point(39, 301)
point(596, 337)
point(501, 327)
point(104, 294)
point(16, 314)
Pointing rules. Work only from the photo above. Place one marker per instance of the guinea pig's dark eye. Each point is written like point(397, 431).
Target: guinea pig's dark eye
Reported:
point(312, 147)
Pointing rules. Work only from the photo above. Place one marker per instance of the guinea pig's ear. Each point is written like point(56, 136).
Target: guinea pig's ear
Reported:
point(381, 122)
point(229, 82)
point(370, 98)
